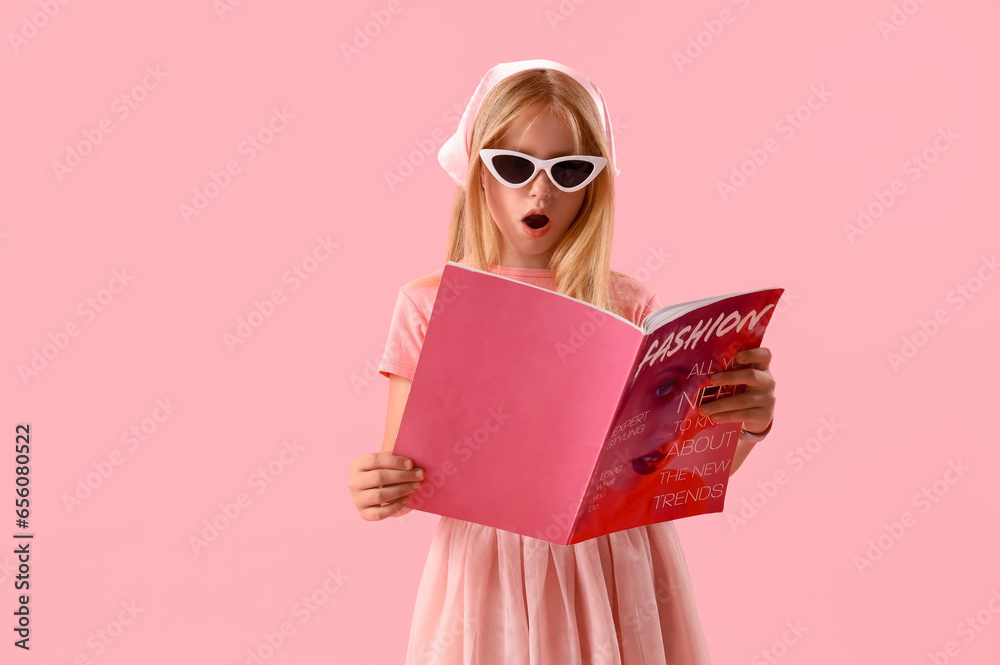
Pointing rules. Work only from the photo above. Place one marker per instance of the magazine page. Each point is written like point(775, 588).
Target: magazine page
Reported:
point(670, 312)
point(513, 391)
point(661, 460)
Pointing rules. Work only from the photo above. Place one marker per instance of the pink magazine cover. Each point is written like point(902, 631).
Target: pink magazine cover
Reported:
point(536, 413)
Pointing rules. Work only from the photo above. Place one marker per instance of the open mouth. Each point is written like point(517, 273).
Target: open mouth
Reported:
point(536, 221)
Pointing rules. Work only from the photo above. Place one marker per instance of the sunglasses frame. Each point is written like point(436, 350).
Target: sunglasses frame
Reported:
point(487, 155)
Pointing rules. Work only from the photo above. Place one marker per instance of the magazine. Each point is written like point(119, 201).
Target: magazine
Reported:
point(540, 414)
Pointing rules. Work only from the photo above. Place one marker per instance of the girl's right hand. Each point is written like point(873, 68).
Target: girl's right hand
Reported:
point(380, 484)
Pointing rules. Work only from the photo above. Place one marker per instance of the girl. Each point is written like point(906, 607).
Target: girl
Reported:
point(534, 160)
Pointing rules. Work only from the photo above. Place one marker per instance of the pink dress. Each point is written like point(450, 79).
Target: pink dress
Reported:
point(491, 596)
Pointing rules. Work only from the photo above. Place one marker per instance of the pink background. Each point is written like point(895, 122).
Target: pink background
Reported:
point(307, 372)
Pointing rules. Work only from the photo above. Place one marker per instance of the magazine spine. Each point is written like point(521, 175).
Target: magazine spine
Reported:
point(641, 344)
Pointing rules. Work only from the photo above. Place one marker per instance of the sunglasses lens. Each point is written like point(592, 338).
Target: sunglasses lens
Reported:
point(572, 172)
point(512, 168)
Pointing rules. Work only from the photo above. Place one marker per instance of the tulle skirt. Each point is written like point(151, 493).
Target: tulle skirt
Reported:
point(490, 596)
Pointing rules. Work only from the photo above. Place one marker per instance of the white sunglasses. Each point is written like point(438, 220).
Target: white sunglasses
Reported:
point(515, 169)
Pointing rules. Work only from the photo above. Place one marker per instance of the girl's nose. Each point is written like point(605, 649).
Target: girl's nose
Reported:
point(541, 184)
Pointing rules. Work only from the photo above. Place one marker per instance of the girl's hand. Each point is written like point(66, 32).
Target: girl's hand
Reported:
point(380, 483)
point(755, 406)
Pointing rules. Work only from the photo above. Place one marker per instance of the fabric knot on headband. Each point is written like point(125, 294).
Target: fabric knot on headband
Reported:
point(454, 154)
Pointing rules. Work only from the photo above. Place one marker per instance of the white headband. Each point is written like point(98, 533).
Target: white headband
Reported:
point(454, 154)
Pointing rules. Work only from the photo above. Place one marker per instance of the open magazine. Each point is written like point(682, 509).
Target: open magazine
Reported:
point(537, 413)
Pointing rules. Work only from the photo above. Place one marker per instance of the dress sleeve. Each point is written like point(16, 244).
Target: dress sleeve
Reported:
point(650, 307)
point(406, 336)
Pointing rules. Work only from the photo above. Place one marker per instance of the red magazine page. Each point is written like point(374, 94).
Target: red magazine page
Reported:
point(662, 460)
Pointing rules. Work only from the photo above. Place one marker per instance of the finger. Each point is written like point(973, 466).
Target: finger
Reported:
point(388, 468)
point(360, 481)
point(745, 400)
point(393, 509)
point(381, 460)
point(380, 496)
point(407, 508)
point(748, 376)
point(750, 417)
point(759, 357)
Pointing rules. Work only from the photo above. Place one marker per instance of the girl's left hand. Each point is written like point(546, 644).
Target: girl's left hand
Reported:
point(754, 406)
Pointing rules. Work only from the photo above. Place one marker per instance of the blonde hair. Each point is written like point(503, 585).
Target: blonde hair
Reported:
point(580, 261)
